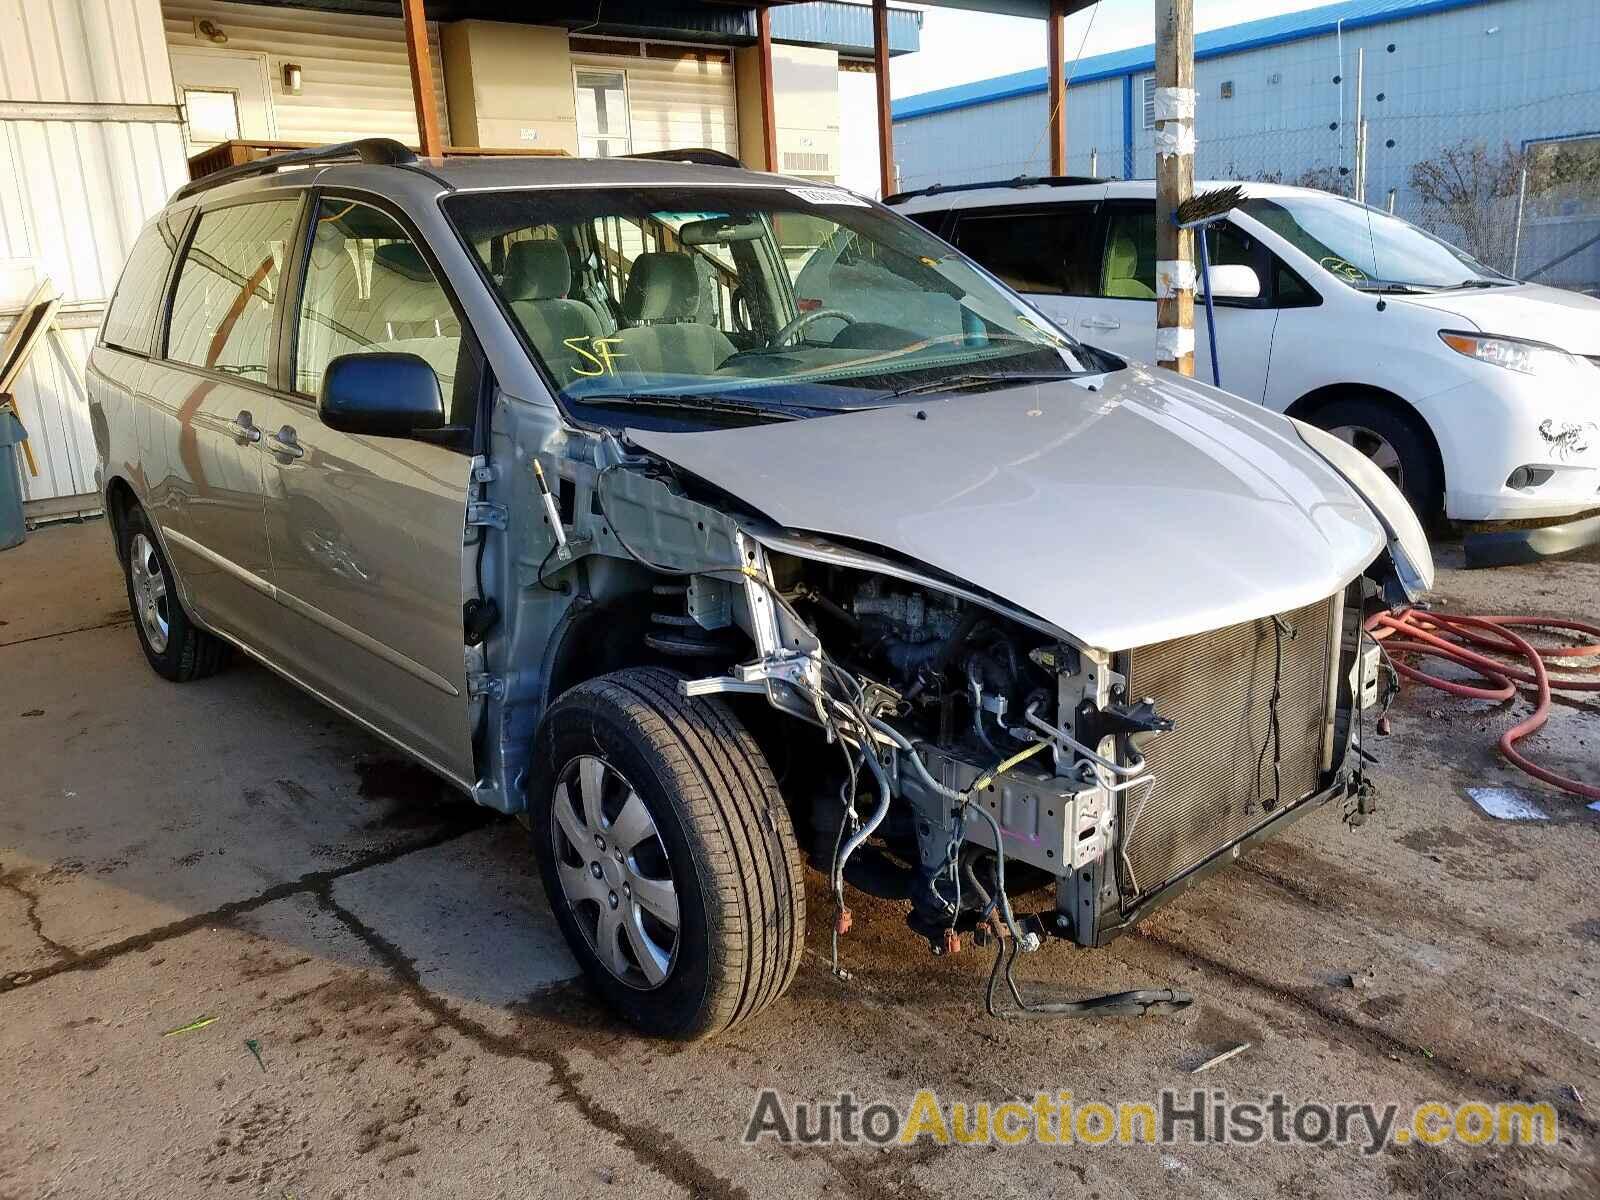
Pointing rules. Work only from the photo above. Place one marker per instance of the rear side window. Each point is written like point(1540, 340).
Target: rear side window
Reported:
point(1045, 252)
point(130, 321)
point(225, 303)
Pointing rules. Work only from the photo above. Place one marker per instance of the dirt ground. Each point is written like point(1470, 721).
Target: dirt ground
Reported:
point(231, 850)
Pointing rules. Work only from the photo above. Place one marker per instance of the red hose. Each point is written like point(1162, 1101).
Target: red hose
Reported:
point(1449, 636)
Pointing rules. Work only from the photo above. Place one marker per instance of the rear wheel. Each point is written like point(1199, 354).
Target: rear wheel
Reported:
point(667, 854)
point(1395, 444)
point(177, 648)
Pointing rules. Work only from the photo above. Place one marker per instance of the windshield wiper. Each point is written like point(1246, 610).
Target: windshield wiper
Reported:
point(1478, 282)
point(699, 402)
point(1386, 288)
point(951, 383)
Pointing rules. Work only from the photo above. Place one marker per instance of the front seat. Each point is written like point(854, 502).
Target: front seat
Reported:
point(663, 332)
point(537, 278)
point(1122, 269)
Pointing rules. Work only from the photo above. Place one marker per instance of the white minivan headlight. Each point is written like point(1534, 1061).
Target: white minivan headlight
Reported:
point(1514, 354)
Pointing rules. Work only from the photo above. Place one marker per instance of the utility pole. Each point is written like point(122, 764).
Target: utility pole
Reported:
point(1056, 49)
point(1175, 274)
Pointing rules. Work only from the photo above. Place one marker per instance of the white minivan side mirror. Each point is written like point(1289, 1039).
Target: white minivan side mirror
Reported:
point(1234, 281)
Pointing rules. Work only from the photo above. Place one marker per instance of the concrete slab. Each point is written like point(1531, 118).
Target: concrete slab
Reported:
point(470, 915)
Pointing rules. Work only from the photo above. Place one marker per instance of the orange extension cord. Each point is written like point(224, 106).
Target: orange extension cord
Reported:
point(1449, 636)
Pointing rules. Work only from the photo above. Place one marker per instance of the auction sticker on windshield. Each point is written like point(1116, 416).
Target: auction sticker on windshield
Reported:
point(817, 195)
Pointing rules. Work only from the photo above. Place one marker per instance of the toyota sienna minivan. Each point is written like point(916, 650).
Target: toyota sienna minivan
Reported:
point(596, 487)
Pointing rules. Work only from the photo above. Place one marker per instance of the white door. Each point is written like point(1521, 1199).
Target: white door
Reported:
point(225, 95)
point(1122, 317)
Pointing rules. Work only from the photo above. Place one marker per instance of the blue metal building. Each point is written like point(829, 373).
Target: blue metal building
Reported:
point(1278, 99)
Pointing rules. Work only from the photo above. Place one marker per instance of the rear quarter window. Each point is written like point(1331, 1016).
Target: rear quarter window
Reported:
point(131, 319)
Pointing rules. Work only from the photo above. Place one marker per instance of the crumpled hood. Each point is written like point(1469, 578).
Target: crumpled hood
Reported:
point(1151, 509)
point(1558, 318)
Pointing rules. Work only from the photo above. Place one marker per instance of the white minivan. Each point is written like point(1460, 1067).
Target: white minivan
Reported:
point(1477, 394)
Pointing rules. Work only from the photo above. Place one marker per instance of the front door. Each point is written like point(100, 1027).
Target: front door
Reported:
point(1122, 315)
point(225, 96)
point(207, 399)
point(366, 533)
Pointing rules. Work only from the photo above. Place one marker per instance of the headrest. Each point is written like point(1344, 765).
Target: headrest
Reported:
point(403, 259)
point(536, 271)
point(661, 287)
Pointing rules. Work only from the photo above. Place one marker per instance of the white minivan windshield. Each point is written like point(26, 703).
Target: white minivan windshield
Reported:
point(774, 301)
point(1368, 248)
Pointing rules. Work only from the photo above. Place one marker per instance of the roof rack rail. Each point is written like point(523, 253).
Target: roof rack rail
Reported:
point(1016, 181)
point(379, 151)
point(700, 155)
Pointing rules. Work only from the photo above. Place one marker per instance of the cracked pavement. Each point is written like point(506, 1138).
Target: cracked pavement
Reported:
point(230, 849)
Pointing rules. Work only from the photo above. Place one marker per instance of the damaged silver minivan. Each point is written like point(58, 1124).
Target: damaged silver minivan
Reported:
point(709, 521)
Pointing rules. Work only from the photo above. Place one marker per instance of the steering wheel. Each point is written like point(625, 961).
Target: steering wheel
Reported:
point(781, 338)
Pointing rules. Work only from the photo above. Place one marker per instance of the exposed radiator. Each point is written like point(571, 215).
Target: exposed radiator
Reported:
point(1217, 687)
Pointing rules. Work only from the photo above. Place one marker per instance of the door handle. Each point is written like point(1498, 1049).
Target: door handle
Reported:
point(283, 442)
point(244, 427)
point(1100, 323)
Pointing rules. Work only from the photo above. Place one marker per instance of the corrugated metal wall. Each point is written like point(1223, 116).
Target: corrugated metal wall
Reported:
point(77, 181)
point(1504, 71)
point(83, 51)
point(356, 77)
point(676, 102)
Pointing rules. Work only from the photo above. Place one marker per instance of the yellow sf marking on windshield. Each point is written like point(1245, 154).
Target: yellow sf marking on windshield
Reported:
point(602, 356)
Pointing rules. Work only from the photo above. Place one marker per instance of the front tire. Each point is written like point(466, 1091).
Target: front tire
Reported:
point(1395, 444)
point(667, 854)
point(177, 648)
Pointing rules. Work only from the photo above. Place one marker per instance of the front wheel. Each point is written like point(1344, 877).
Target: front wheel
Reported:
point(1396, 446)
point(667, 854)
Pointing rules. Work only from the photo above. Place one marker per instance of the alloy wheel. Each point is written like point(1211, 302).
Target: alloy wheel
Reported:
point(613, 870)
point(149, 592)
point(1376, 447)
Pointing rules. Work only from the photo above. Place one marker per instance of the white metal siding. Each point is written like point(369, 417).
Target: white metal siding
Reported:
point(76, 186)
point(83, 51)
point(356, 78)
point(675, 103)
point(73, 196)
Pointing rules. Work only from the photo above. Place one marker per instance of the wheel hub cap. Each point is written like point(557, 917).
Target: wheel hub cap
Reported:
point(1376, 447)
point(149, 592)
point(612, 868)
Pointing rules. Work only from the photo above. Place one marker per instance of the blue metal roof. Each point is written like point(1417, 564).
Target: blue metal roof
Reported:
point(1270, 31)
point(846, 28)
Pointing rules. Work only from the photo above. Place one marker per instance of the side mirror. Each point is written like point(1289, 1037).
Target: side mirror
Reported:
point(385, 395)
point(1234, 282)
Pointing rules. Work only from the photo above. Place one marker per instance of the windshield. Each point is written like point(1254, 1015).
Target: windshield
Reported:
point(786, 300)
point(1368, 248)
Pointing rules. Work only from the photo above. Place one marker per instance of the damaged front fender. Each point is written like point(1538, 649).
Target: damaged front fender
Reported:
point(1410, 556)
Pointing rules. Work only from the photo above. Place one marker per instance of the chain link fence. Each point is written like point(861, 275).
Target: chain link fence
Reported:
point(1523, 202)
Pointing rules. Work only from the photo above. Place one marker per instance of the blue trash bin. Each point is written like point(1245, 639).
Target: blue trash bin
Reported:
point(12, 526)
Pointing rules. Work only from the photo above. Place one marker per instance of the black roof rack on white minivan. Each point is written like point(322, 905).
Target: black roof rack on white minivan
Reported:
point(1016, 181)
point(378, 150)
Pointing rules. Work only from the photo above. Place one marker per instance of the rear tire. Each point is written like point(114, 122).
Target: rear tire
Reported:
point(647, 806)
point(1396, 445)
point(177, 648)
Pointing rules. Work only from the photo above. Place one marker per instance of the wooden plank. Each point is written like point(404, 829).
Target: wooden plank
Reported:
point(1058, 86)
point(880, 65)
point(422, 91)
point(769, 119)
point(1174, 181)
